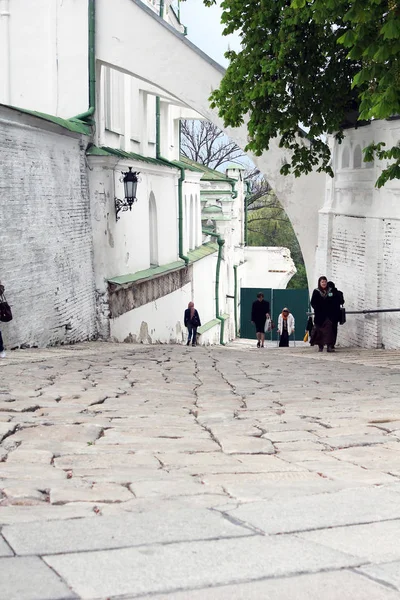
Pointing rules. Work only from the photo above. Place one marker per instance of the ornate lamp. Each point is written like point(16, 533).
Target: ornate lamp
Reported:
point(130, 181)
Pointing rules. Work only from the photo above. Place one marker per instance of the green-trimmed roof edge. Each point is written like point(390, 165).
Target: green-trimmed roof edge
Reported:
point(208, 174)
point(147, 274)
point(70, 124)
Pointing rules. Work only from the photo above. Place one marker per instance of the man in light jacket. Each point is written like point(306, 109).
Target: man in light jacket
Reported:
point(285, 327)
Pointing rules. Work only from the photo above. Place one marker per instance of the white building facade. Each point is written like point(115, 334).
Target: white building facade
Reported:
point(359, 238)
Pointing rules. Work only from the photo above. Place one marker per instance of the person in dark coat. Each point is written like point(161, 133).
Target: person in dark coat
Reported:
point(337, 303)
point(259, 314)
point(324, 316)
point(2, 351)
point(192, 321)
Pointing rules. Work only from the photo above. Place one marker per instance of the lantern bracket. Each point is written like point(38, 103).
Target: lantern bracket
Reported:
point(130, 180)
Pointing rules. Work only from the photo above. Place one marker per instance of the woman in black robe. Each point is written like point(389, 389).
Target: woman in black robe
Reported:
point(324, 316)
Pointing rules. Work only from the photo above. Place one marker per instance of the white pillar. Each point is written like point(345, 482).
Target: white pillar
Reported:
point(5, 70)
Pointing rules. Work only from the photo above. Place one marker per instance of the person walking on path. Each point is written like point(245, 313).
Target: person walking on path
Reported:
point(337, 303)
point(259, 314)
point(285, 327)
point(192, 322)
point(324, 315)
point(2, 351)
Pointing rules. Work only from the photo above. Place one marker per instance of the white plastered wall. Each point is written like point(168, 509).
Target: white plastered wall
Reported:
point(359, 238)
point(123, 247)
point(160, 321)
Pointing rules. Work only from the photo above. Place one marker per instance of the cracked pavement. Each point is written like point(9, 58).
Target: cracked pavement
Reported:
point(199, 473)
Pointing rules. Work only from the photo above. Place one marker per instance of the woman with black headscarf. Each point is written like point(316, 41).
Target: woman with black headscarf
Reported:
point(324, 316)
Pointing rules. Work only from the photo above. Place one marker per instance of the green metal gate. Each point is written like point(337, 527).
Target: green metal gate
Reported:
point(297, 301)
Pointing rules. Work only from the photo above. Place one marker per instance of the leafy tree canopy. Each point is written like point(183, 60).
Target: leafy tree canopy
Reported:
point(310, 62)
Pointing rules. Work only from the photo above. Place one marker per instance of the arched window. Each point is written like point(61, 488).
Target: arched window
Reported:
point(345, 158)
point(357, 157)
point(153, 231)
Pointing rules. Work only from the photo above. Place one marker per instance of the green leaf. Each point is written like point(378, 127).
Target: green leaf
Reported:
point(391, 29)
point(348, 39)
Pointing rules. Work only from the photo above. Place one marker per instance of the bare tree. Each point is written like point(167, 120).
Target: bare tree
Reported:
point(204, 143)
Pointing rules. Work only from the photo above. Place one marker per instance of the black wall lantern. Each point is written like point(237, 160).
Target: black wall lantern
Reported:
point(130, 181)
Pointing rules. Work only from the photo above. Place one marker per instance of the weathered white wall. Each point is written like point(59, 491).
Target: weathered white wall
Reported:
point(156, 322)
point(204, 287)
point(45, 242)
point(123, 247)
point(267, 267)
point(359, 238)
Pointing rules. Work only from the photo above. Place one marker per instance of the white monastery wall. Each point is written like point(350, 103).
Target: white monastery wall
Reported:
point(359, 238)
point(160, 321)
point(123, 247)
point(204, 287)
point(45, 241)
point(191, 211)
point(267, 267)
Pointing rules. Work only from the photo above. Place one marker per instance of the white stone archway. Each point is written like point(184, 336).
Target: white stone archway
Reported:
point(176, 66)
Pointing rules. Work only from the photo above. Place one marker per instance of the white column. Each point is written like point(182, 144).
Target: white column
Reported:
point(127, 125)
point(5, 70)
point(144, 133)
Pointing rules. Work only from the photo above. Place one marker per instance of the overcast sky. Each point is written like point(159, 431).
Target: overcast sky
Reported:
point(205, 29)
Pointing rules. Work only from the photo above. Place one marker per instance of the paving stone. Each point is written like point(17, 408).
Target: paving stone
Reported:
point(345, 507)
point(159, 444)
point(60, 433)
point(246, 445)
point(30, 456)
point(29, 578)
point(291, 436)
point(33, 471)
point(388, 573)
point(101, 460)
point(20, 493)
point(153, 526)
point(45, 512)
point(164, 568)
point(327, 586)
point(5, 549)
point(348, 441)
point(301, 445)
point(173, 487)
point(378, 458)
point(375, 542)
point(99, 492)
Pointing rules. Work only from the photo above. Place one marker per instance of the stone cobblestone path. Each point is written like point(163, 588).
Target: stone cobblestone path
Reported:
point(178, 473)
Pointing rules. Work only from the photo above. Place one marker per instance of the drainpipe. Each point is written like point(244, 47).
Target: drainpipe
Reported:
point(91, 64)
point(234, 192)
point(180, 180)
point(220, 242)
point(5, 92)
point(235, 299)
point(162, 9)
point(246, 198)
